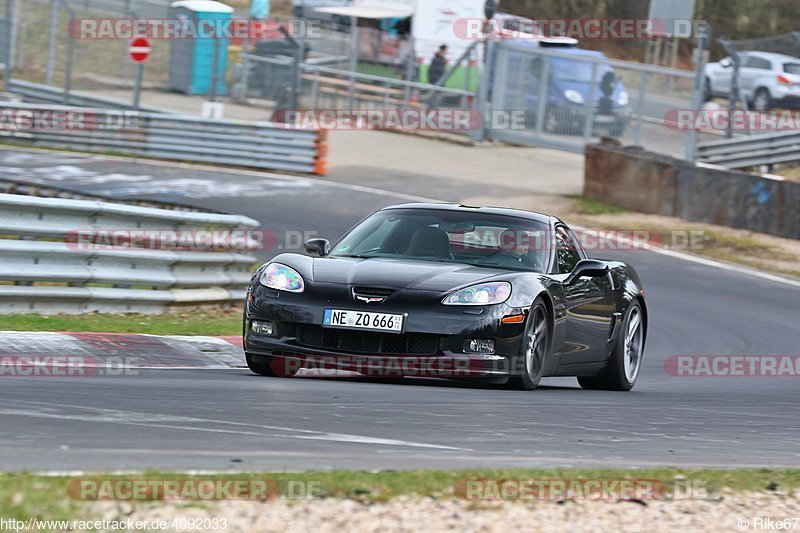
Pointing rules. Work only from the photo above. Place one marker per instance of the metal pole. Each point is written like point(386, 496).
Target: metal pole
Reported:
point(137, 86)
point(698, 88)
point(637, 135)
point(351, 90)
point(484, 104)
point(51, 45)
point(296, 76)
point(68, 75)
point(7, 59)
point(588, 125)
point(212, 95)
point(410, 62)
point(544, 86)
point(12, 29)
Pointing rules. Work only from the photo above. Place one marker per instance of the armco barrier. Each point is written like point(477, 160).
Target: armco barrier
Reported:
point(43, 270)
point(47, 94)
point(653, 183)
point(752, 150)
point(260, 145)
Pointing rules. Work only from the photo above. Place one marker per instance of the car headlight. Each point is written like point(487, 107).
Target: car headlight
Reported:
point(495, 292)
point(573, 96)
point(623, 98)
point(282, 278)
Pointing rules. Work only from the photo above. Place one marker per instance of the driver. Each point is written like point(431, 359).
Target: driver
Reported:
point(521, 246)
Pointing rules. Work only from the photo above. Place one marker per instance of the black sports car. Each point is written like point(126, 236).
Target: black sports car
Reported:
point(453, 292)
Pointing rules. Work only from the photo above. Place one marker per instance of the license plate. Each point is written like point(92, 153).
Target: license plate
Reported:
point(339, 318)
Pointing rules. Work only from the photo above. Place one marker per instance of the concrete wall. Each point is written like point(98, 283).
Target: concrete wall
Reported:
point(653, 183)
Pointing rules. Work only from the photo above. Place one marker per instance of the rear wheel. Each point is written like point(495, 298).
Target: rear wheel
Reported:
point(534, 349)
point(762, 101)
point(626, 359)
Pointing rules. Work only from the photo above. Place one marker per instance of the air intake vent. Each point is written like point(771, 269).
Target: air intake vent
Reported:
point(373, 291)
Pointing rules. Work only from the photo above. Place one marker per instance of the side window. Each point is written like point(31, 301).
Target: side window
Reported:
point(757, 62)
point(567, 253)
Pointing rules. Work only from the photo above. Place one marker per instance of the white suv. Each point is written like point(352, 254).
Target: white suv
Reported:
point(766, 80)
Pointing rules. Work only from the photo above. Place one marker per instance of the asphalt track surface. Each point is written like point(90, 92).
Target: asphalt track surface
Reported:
point(227, 419)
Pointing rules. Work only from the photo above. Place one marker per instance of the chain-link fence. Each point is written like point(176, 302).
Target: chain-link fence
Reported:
point(46, 52)
point(571, 96)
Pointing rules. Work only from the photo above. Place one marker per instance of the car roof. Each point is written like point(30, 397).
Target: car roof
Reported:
point(506, 211)
point(771, 55)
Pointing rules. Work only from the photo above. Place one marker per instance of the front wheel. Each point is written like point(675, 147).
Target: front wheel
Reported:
point(534, 349)
point(626, 359)
point(273, 367)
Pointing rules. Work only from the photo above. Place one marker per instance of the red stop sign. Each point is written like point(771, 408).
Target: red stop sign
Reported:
point(139, 49)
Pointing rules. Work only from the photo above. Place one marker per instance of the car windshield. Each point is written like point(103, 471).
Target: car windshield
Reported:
point(479, 239)
point(792, 68)
point(578, 71)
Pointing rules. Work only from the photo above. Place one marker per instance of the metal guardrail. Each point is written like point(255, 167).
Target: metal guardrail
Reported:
point(260, 145)
point(752, 150)
point(41, 93)
point(45, 269)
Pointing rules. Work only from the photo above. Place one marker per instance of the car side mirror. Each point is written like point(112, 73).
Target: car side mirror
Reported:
point(726, 62)
point(318, 247)
point(592, 268)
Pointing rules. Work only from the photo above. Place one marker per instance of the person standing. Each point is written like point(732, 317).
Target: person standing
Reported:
point(438, 64)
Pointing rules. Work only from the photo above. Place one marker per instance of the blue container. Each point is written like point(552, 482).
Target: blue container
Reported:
point(191, 61)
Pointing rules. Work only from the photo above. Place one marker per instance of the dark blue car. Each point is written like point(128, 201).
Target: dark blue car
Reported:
point(569, 89)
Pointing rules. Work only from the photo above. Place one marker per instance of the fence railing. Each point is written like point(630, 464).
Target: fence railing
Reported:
point(570, 99)
point(322, 86)
point(261, 145)
point(752, 150)
point(47, 94)
point(73, 256)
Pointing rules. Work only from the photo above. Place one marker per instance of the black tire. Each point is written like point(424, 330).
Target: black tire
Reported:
point(260, 365)
point(273, 367)
point(535, 348)
point(762, 101)
point(708, 95)
point(615, 377)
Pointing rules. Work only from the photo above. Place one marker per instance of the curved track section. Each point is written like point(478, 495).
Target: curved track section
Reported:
point(226, 418)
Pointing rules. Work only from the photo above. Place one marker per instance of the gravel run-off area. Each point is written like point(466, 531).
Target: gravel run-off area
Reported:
point(754, 511)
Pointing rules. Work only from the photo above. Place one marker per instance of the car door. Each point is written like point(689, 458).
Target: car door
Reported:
point(588, 305)
point(720, 77)
point(753, 69)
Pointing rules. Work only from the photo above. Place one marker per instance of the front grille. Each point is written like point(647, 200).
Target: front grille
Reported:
point(373, 291)
point(367, 342)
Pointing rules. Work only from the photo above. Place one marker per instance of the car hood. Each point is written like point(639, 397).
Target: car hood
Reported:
point(400, 274)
